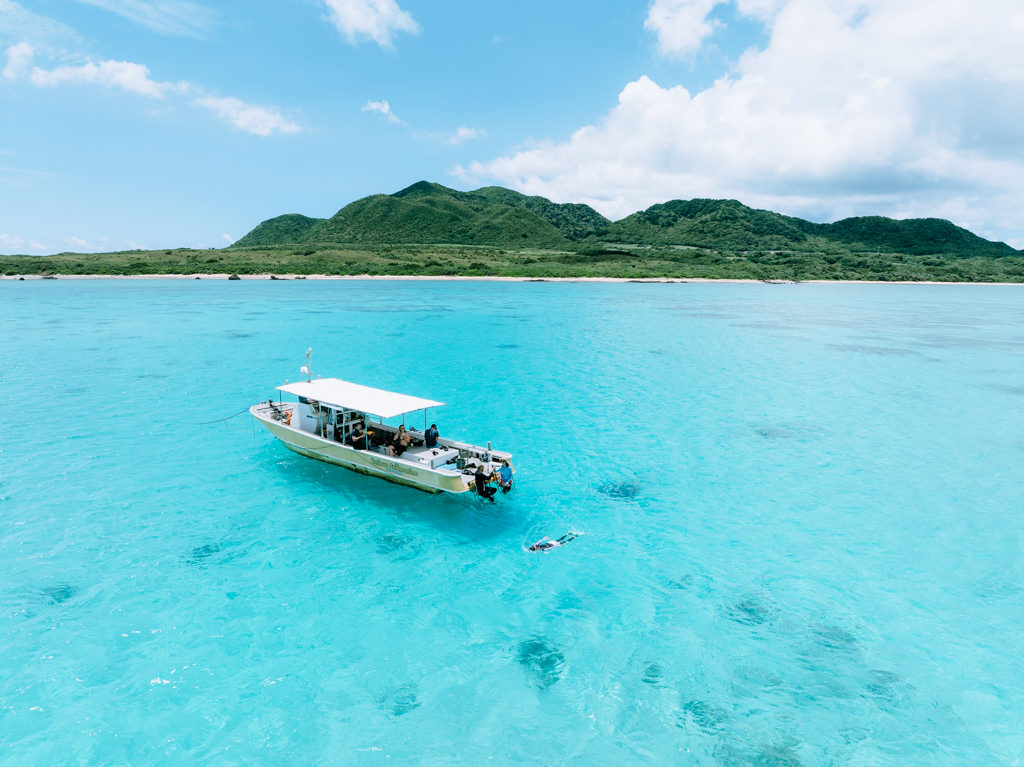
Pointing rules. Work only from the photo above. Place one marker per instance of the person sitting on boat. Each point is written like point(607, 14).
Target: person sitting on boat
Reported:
point(482, 478)
point(357, 438)
point(431, 436)
point(546, 544)
point(505, 476)
point(400, 443)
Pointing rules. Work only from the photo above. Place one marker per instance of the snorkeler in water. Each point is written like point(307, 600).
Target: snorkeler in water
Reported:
point(546, 544)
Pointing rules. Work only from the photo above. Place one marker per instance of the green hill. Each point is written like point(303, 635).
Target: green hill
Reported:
point(730, 225)
point(574, 220)
point(427, 213)
point(915, 236)
point(722, 224)
point(431, 214)
point(435, 218)
point(290, 228)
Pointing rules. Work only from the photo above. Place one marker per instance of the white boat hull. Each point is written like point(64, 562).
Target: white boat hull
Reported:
point(398, 470)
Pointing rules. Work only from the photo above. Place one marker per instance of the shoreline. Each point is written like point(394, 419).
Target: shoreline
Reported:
point(459, 278)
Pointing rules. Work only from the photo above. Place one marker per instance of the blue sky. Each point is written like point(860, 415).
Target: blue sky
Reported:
point(166, 123)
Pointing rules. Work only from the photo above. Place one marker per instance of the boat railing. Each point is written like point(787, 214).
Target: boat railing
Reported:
point(275, 411)
point(284, 412)
point(470, 451)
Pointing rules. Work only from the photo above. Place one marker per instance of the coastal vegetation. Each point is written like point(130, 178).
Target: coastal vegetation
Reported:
point(428, 229)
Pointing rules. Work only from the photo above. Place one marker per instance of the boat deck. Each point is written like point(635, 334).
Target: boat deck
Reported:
point(441, 458)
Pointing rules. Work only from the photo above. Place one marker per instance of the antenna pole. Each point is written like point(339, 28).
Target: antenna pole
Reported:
point(308, 367)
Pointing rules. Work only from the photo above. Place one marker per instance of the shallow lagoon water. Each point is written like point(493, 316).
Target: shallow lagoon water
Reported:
point(801, 505)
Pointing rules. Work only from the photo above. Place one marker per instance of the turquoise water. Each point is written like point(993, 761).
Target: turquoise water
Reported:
point(801, 507)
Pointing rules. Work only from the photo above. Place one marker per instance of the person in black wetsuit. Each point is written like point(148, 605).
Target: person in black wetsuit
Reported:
point(483, 489)
point(431, 436)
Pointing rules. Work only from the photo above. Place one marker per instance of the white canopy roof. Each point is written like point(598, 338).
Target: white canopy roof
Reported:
point(352, 396)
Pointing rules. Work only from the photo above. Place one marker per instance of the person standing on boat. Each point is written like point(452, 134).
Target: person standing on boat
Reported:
point(431, 436)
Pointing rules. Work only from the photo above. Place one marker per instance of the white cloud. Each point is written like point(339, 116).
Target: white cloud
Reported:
point(227, 238)
point(135, 78)
point(77, 242)
point(12, 244)
point(42, 32)
point(459, 136)
point(260, 121)
point(681, 25)
point(758, 9)
point(464, 134)
point(376, 20)
point(171, 17)
point(19, 56)
point(900, 107)
point(383, 108)
point(125, 75)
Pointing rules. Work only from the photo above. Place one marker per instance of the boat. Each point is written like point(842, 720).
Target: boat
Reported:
point(343, 423)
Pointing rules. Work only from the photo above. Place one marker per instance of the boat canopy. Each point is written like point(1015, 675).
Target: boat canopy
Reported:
point(352, 396)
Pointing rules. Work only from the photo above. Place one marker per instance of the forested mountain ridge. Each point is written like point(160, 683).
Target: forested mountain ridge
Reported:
point(429, 213)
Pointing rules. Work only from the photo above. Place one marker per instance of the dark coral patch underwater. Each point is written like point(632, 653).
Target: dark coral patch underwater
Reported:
point(542, 659)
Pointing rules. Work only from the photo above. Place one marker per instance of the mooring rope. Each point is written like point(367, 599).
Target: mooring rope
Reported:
point(218, 420)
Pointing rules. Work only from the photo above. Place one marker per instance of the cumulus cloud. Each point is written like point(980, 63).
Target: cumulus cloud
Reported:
point(19, 56)
point(902, 107)
point(376, 20)
point(383, 108)
point(681, 25)
point(759, 9)
point(260, 121)
point(169, 17)
point(124, 75)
